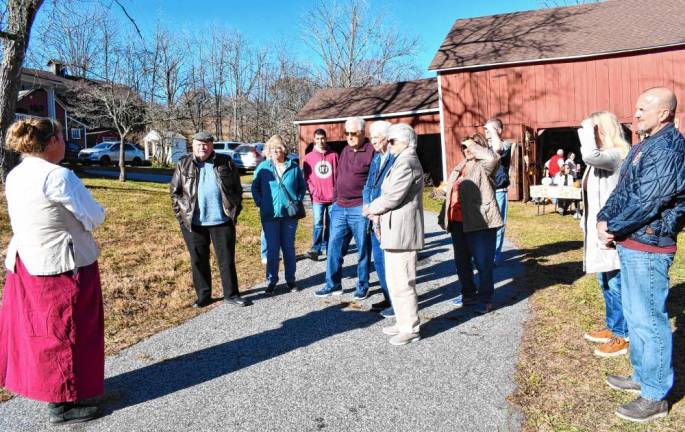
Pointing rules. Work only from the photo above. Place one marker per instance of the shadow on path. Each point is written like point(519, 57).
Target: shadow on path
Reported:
point(178, 373)
point(184, 371)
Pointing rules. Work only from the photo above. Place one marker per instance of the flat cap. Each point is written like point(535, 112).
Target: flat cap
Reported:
point(203, 136)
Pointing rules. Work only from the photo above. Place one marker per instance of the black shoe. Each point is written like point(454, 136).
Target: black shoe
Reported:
point(377, 307)
point(200, 304)
point(621, 382)
point(236, 300)
point(643, 410)
point(313, 255)
point(68, 412)
point(292, 286)
point(270, 289)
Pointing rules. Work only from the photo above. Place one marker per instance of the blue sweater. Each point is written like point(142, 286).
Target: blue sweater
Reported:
point(208, 211)
point(269, 196)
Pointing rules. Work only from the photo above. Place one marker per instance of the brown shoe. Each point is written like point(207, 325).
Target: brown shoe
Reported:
point(615, 347)
point(599, 336)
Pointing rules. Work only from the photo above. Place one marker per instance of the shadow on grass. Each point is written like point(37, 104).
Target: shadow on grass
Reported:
point(521, 273)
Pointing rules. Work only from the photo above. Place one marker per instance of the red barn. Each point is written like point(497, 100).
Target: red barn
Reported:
point(543, 71)
point(411, 102)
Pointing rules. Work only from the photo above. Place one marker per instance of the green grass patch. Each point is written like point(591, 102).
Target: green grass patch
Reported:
point(431, 203)
point(560, 382)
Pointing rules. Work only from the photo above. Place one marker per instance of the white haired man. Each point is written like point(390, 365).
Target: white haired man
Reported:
point(555, 163)
point(380, 166)
point(400, 209)
point(347, 220)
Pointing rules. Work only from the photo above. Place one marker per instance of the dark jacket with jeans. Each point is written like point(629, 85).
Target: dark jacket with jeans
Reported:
point(648, 204)
point(184, 184)
point(502, 173)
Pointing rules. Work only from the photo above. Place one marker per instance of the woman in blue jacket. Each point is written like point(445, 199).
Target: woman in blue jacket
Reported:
point(277, 187)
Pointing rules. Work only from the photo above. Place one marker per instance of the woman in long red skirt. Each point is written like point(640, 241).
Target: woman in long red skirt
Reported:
point(51, 316)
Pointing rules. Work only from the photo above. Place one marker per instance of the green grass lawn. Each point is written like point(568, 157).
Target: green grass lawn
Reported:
point(560, 383)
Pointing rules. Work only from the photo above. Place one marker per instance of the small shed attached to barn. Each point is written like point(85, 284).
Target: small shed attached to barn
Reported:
point(411, 102)
point(543, 71)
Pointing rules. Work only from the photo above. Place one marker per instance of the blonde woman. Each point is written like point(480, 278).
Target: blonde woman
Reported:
point(278, 188)
point(52, 345)
point(603, 148)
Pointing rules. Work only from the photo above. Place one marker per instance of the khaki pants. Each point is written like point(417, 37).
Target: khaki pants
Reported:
point(401, 279)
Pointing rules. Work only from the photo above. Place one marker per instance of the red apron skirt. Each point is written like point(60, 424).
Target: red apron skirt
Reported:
point(52, 342)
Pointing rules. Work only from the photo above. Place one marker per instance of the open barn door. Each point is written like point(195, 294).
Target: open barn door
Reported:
point(527, 157)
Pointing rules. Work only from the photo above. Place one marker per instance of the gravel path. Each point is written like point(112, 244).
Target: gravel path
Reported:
point(293, 362)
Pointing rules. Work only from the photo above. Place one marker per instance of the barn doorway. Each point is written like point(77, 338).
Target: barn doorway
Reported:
point(429, 151)
point(566, 138)
point(552, 139)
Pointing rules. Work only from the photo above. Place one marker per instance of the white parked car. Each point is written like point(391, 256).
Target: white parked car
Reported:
point(107, 152)
point(226, 147)
point(248, 156)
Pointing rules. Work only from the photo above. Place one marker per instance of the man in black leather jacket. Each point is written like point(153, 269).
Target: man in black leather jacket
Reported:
point(206, 196)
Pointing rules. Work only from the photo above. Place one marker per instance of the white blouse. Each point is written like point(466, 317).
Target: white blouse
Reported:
point(52, 216)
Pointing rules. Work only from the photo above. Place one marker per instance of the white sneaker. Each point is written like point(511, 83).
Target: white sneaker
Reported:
point(391, 330)
point(404, 338)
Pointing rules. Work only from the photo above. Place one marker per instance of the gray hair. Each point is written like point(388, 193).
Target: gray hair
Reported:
point(379, 127)
point(497, 123)
point(355, 122)
point(403, 132)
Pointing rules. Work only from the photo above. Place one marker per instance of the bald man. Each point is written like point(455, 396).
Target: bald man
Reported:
point(642, 219)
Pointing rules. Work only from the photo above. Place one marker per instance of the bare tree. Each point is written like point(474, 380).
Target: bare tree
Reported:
point(17, 20)
point(244, 68)
point(216, 60)
point(357, 48)
point(114, 100)
point(195, 102)
point(73, 34)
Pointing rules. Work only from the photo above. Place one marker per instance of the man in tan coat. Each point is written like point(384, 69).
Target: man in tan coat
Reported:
point(400, 209)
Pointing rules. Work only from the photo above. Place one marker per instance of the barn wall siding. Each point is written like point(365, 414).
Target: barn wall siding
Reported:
point(557, 94)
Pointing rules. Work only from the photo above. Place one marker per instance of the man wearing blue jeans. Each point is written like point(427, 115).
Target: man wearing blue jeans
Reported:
point(643, 217)
point(347, 219)
point(380, 166)
point(493, 133)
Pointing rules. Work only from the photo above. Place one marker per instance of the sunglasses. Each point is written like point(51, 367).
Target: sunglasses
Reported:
point(354, 134)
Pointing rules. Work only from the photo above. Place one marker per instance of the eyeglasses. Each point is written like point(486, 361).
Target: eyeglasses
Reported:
point(354, 134)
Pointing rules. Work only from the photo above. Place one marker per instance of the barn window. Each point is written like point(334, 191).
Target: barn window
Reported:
point(76, 134)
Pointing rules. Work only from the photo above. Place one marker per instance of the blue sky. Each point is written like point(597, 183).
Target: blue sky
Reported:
point(267, 21)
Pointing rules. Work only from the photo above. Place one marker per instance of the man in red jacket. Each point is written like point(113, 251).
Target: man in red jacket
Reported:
point(555, 163)
point(320, 167)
